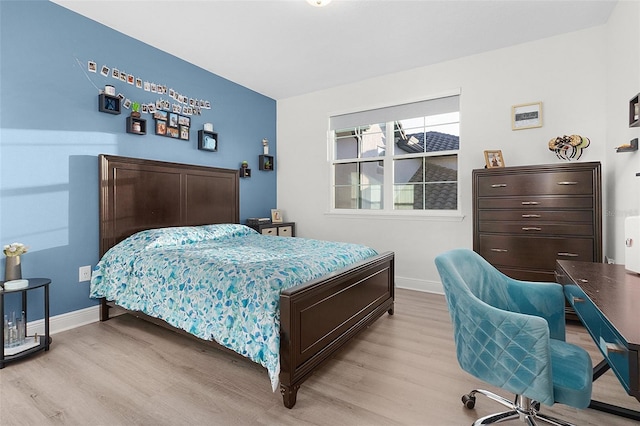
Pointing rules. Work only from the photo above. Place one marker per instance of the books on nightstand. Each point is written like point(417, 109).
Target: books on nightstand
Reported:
point(258, 220)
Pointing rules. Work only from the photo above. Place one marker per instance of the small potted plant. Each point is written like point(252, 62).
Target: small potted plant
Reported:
point(245, 164)
point(135, 110)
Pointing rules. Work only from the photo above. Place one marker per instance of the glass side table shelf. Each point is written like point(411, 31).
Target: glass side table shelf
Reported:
point(31, 344)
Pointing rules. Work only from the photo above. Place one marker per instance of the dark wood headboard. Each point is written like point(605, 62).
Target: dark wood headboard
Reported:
point(137, 194)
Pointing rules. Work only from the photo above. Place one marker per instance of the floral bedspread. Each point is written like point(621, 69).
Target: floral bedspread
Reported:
point(219, 282)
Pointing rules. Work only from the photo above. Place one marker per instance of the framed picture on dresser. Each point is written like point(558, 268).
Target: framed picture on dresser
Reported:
point(493, 159)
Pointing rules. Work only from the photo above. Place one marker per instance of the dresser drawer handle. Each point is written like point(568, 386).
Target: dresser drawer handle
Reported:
point(497, 250)
point(577, 300)
point(568, 254)
point(567, 183)
point(614, 348)
point(530, 203)
point(499, 185)
point(531, 228)
point(527, 216)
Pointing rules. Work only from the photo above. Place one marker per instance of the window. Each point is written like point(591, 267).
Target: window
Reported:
point(417, 171)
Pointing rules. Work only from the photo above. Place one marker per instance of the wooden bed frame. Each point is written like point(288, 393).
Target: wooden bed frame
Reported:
point(316, 318)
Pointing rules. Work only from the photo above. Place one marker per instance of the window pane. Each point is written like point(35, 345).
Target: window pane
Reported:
point(441, 169)
point(372, 172)
point(408, 197)
point(371, 197)
point(346, 174)
point(408, 170)
point(346, 197)
point(441, 196)
point(346, 145)
point(427, 134)
point(441, 190)
point(373, 141)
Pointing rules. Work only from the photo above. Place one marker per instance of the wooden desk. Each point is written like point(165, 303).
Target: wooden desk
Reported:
point(606, 299)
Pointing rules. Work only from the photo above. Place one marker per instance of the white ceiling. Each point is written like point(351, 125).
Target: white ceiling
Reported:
point(284, 48)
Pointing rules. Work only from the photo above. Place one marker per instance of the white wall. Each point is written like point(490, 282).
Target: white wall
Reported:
point(567, 73)
point(623, 83)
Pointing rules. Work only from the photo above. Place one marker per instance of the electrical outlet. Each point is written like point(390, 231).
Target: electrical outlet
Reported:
point(84, 273)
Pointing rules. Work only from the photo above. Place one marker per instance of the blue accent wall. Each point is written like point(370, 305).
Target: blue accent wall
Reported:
point(51, 134)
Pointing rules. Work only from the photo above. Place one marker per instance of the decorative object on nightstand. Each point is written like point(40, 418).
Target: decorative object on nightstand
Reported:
point(15, 342)
point(108, 104)
point(12, 264)
point(245, 171)
point(276, 216)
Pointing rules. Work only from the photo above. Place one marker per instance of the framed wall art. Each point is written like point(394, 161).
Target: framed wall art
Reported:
point(526, 116)
point(493, 159)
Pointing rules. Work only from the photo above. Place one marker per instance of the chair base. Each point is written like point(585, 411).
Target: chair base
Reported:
point(523, 409)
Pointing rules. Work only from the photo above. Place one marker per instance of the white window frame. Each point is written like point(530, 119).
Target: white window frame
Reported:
point(388, 211)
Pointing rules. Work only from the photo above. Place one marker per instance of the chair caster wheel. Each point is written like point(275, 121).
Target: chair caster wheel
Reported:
point(469, 401)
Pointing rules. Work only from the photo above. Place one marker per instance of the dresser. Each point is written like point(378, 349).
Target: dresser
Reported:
point(527, 217)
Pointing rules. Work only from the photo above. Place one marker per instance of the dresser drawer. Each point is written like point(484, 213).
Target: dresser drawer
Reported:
point(610, 343)
point(532, 228)
point(533, 216)
point(533, 252)
point(551, 183)
point(534, 203)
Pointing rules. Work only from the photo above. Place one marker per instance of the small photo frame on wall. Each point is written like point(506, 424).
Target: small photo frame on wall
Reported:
point(493, 159)
point(276, 216)
point(526, 116)
point(161, 127)
point(184, 133)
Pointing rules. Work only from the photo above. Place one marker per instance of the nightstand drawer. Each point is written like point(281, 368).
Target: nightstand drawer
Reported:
point(269, 231)
point(285, 231)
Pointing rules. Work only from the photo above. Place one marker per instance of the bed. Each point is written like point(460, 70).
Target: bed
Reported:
point(316, 316)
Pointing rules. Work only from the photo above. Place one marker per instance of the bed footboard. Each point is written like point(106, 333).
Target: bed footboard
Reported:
point(319, 317)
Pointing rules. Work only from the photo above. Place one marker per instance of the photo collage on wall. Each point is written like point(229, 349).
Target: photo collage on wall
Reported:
point(172, 116)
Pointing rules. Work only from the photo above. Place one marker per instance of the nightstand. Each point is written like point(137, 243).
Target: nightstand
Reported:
point(32, 344)
point(284, 229)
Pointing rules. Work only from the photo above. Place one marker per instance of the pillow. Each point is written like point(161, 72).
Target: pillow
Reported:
point(184, 235)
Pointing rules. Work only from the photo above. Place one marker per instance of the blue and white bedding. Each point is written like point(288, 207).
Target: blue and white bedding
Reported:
point(219, 282)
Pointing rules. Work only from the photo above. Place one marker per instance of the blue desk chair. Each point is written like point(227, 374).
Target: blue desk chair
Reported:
point(510, 334)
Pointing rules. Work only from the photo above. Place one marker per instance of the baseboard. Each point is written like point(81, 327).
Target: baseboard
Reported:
point(419, 285)
point(66, 321)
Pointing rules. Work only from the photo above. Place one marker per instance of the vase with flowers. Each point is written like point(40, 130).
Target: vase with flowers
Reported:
point(12, 266)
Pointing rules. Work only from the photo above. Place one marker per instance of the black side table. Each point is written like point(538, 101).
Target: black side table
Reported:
point(35, 346)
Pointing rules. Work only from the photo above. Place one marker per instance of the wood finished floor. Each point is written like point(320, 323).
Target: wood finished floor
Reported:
point(401, 371)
